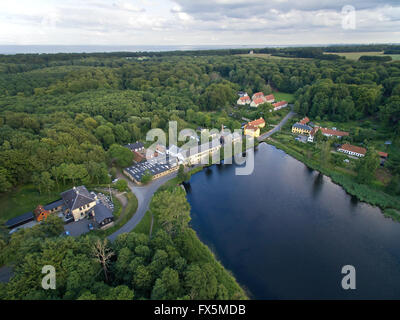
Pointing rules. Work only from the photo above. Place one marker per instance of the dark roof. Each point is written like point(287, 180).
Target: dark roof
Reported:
point(23, 218)
point(54, 204)
point(134, 146)
point(101, 212)
point(137, 171)
point(77, 197)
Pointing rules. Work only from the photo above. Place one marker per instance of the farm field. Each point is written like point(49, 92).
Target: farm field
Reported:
point(357, 55)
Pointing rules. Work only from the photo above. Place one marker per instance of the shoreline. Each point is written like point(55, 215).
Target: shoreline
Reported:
point(363, 193)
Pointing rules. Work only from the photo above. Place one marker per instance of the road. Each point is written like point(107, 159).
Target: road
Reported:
point(143, 195)
point(279, 126)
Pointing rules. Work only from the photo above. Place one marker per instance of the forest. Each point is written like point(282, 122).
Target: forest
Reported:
point(173, 264)
point(63, 118)
point(62, 115)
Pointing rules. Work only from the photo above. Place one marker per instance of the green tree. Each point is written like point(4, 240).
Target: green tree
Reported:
point(121, 185)
point(122, 156)
point(367, 166)
point(182, 175)
point(146, 177)
point(201, 281)
point(168, 286)
point(172, 210)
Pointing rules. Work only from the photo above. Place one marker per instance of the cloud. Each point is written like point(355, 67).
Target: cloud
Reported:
point(196, 22)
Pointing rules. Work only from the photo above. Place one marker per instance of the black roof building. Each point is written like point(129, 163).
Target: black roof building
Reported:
point(154, 167)
point(54, 205)
point(77, 197)
point(302, 126)
point(102, 215)
point(20, 220)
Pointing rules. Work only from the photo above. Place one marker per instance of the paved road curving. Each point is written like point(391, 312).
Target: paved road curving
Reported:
point(277, 127)
point(143, 195)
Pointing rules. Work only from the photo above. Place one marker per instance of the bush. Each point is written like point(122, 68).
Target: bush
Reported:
point(121, 185)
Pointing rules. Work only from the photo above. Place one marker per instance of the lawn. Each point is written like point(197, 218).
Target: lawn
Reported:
point(279, 96)
point(145, 224)
point(23, 200)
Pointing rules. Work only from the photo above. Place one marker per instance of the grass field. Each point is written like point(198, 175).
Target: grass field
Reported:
point(279, 96)
point(357, 55)
point(145, 224)
point(23, 200)
point(264, 56)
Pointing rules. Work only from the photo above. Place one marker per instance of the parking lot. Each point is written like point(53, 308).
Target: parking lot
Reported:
point(82, 226)
point(77, 228)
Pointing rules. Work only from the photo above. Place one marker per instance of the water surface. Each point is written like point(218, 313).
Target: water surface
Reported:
point(286, 231)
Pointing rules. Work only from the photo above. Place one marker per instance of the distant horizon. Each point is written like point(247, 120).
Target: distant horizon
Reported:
point(10, 49)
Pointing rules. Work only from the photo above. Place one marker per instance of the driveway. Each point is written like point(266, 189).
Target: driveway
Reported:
point(143, 195)
point(77, 228)
point(279, 126)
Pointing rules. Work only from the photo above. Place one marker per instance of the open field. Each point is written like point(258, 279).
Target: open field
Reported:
point(279, 96)
point(357, 55)
point(23, 200)
point(264, 56)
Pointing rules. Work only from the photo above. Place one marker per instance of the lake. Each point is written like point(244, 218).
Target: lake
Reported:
point(286, 231)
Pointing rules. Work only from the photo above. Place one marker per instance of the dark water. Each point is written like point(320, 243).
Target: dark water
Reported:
point(286, 231)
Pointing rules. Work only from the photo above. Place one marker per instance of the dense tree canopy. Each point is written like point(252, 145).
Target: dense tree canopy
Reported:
point(165, 267)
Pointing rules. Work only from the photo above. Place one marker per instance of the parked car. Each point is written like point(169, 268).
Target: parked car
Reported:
point(67, 233)
point(90, 226)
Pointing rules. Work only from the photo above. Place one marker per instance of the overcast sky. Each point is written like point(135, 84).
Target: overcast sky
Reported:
point(198, 22)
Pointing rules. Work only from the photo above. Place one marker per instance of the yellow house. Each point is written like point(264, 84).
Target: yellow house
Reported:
point(257, 123)
point(303, 129)
point(252, 131)
point(78, 201)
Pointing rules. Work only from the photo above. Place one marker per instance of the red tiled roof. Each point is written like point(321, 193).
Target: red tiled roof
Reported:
point(280, 103)
point(334, 132)
point(270, 97)
point(256, 122)
point(259, 100)
point(383, 154)
point(250, 127)
point(305, 120)
point(245, 98)
point(258, 94)
point(352, 148)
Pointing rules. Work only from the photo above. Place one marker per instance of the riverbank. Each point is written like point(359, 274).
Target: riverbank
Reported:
point(185, 239)
point(387, 203)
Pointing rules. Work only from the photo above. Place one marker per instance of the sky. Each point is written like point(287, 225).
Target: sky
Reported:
point(198, 22)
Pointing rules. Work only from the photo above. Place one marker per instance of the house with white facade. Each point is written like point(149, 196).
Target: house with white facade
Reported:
point(352, 150)
point(244, 100)
point(279, 105)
